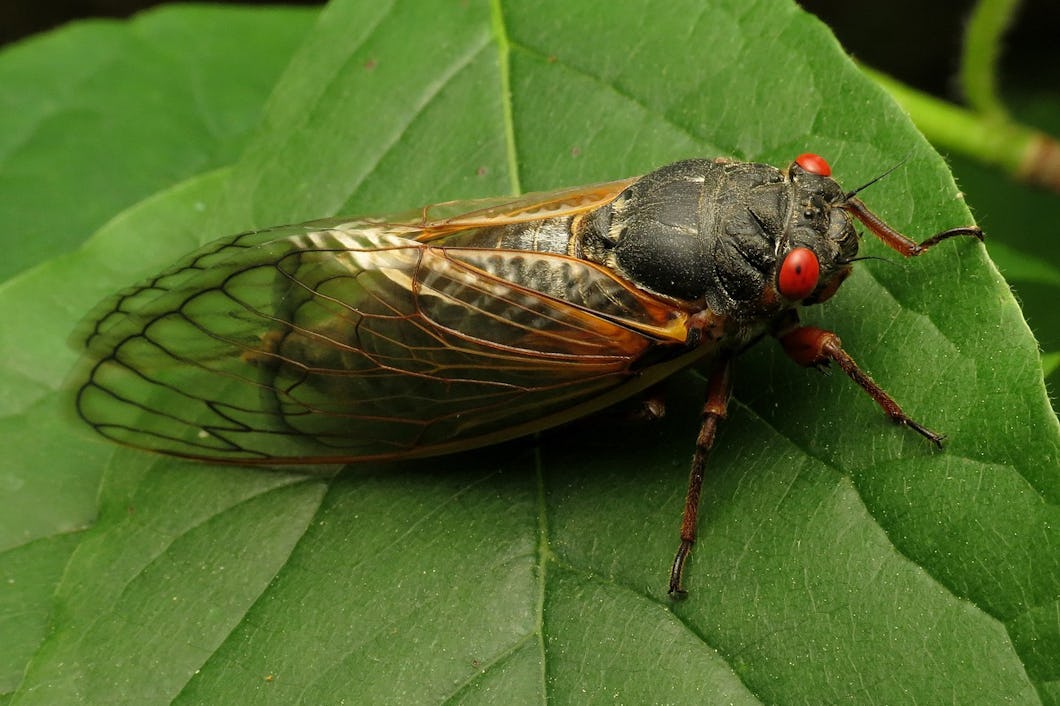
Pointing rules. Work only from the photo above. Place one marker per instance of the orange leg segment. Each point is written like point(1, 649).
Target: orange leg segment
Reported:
point(719, 390)
point(895, 240)
point(811, 346)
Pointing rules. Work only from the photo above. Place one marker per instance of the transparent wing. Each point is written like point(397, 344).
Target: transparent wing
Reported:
point(340, 341)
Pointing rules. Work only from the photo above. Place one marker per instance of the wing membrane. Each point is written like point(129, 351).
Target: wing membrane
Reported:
point(441, 219)
point(343, 340)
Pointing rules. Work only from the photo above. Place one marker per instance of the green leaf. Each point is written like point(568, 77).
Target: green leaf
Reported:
point(106, 114)
point(840, 559)
point(99, 115)
point(1020, 224)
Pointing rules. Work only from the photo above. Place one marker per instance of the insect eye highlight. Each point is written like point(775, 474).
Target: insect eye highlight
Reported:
point(814, 164)
point(798, 274)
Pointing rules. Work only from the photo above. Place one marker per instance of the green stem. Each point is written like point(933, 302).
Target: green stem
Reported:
point(979, 59)
point(1023, 152)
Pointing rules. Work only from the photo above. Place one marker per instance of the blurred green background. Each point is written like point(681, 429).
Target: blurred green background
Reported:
point(917, 43)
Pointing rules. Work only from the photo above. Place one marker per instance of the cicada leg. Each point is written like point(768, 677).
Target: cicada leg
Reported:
point(719, 389)
point(895, 240)
point(652, 407)
point(811, 346)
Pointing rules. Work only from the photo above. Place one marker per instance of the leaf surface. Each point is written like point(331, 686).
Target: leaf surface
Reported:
point(840, 559)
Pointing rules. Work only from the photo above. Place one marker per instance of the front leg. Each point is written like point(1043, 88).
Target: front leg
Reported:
point(812, 346)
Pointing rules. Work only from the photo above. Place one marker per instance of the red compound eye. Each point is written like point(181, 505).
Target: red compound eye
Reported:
point(814, 164)
point(798, 274)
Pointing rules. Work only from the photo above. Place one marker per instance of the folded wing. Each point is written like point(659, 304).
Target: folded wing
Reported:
point(347, 340)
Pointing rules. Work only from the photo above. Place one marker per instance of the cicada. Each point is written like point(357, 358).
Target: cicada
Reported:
point(465, 324)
